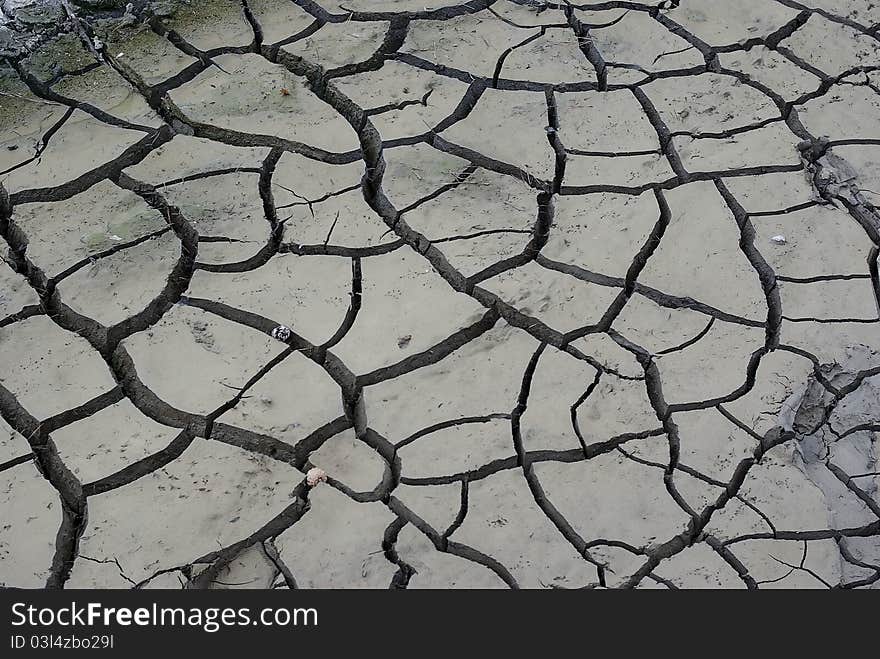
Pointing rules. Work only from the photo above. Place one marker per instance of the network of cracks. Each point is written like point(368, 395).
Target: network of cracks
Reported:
point(556, 294)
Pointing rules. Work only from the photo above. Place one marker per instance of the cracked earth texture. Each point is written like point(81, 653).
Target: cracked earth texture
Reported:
point(557, 295)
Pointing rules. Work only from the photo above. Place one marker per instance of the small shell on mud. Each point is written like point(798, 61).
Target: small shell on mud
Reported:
point(281, 333)
point(778, 240)
point(315, 475)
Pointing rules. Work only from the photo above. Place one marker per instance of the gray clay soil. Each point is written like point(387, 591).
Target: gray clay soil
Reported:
point(555, 294)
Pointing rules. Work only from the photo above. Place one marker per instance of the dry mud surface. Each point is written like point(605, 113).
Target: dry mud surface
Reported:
point(557, 295)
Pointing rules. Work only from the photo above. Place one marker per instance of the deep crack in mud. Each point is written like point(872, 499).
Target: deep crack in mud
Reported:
point(554, 294)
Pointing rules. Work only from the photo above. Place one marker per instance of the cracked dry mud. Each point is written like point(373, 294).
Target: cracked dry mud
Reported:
point(539, 335)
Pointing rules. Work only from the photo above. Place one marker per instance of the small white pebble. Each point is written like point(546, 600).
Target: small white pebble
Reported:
point(778, 240)
point(281, 333)
point(315, 475)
